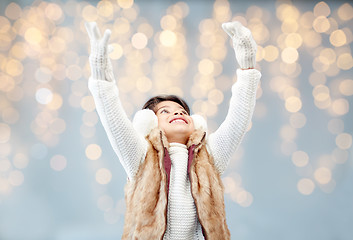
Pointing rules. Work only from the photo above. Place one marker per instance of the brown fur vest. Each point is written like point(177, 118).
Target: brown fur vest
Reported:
point(146, 195)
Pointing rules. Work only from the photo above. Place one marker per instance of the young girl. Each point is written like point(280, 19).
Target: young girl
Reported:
point(174, 189)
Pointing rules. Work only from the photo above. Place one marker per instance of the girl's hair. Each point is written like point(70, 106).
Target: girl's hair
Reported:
point(152, 102)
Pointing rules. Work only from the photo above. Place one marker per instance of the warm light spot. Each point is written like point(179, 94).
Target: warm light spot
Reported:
point(125, 3)
point(297, 120)
point(13, 11)
point(168, 38)
point(322, 9)
point(289, 55)
point(344, 141)
point(215, 96)
point(327, 55)
point(206, 66)
point(305, 186)
point(44, 95)
point(293, 40)
point(146, 28)
point(139, 40)
point(323, 175)
point(89, 13)
point(53, 11)
point(288, 133)
point(321, 92)
point(103, 176)
point(290, 91)
point(229, 185)
point(345, 61)
point(244, 198)
point(58, 163)
point(57, 45)
point(293, 104)
point(270, 53)
point(17, 50)
point(144, 84)
point(306, 19)
point(211, 110)
point(335, 126)
point(168, 22)
point(117, 51)
point(16, 178)
point(33, 35)
point(56, 102)
point(323, 104)
point(105, 8)
point(345, 12)
point(87, 103)
point(93, 151)
point(346, 87)
point(73, 72)
point(20, 160)
point(321, 24)
point(320, 64)
point(5, 26)
point(121, 26)
point(289, 26)
point(43, 75)
point(340, 106)
point(287, 11)
point(338, 38)
point(14, 67)
point(57, 126)
point(300, 158)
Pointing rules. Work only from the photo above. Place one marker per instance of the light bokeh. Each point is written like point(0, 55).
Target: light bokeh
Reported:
point(290, 178)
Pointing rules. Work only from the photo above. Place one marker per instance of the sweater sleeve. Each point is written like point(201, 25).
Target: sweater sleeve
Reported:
point(225, 140)
point(129, 146)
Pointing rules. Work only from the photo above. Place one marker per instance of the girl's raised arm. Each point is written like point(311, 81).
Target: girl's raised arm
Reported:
point(129, 146)
point(223, 143)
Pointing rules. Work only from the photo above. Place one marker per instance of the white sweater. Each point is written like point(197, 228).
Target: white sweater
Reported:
point(131, 147)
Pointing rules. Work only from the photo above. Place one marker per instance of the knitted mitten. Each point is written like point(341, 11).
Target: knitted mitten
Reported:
point(243, 43)
point(101, 66)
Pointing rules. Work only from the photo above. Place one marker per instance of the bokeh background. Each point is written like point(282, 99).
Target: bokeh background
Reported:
point(290, 179)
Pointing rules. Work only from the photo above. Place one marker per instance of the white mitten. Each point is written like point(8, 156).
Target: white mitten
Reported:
point(101, 66)
point(244, 45)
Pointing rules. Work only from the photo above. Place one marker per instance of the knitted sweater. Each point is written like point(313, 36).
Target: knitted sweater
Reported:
point(131, 147)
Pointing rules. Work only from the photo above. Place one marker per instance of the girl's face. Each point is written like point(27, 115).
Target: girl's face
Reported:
point(174, 121)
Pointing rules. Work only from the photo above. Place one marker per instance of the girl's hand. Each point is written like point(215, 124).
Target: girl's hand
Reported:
point(101, 67)
point(244, 45)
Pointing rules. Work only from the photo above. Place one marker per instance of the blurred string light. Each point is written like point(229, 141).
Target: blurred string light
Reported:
point(312, 32)
point(38, 55)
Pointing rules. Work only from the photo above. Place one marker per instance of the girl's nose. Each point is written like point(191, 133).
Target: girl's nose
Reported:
point(179, 112)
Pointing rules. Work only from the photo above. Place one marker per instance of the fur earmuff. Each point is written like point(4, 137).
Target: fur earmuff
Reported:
point(199, 122)
point(144, 121)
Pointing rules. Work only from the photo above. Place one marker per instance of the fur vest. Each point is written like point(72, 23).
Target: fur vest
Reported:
point(146, 195)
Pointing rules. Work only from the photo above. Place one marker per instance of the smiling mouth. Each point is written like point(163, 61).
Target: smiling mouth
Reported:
point(178, 120)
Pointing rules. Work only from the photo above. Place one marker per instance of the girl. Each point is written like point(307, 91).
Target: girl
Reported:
point(174, 189)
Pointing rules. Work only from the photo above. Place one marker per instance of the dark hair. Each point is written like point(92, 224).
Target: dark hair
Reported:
point(152, 102)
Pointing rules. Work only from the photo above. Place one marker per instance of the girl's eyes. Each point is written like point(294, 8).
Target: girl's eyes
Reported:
point(166, 111)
